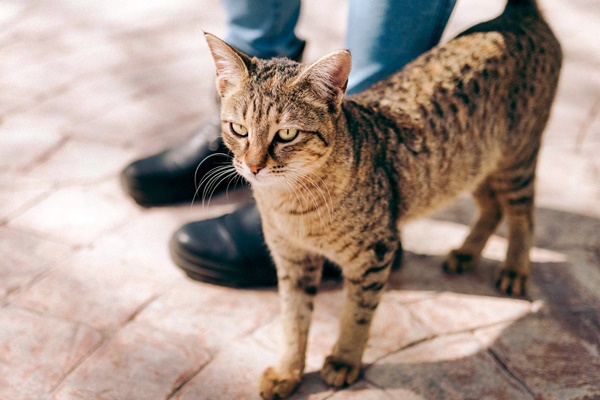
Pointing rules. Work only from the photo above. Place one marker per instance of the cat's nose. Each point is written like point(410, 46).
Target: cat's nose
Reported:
point(255, 168)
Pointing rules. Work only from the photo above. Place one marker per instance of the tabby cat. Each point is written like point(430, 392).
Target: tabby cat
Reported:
point(335, 178)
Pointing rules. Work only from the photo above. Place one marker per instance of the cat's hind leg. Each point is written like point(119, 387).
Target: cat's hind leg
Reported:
point(517, 201)
point(490, 213)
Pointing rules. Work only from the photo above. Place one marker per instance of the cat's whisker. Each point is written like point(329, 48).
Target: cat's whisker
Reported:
point(229, 156)
point(207, 179)
point(212, 184)
point(235, 181)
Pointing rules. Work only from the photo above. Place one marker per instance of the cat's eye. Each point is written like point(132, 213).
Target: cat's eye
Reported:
point(238, 129)
point(287, 135)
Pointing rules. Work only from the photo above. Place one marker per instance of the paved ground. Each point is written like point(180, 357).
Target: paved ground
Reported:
point(92, 308)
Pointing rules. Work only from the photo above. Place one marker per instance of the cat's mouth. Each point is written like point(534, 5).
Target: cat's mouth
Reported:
point(260, 179)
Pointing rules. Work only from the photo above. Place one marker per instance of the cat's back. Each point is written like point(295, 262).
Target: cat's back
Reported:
point(494, 69)
point(466, 108)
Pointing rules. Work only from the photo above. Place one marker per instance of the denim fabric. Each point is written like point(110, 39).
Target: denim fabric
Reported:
point(383, 35)
point(263, 28)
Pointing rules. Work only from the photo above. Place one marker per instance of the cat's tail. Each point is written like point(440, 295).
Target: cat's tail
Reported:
point(522, 3)
point(531, 3)
point(523, 6)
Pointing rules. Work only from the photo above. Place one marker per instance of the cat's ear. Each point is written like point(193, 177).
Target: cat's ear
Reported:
point(231, 64)
point(328, 76)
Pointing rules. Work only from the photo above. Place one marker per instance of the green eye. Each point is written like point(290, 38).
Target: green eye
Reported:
point(287, 135)
point(238, 129)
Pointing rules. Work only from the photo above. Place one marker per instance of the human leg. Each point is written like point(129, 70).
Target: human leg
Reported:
point(385, 35)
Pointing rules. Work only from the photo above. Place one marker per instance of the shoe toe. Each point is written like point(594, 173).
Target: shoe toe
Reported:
point(206, 251)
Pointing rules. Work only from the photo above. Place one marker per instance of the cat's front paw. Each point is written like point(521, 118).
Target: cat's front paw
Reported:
point(275, 385)
point(512, 282)
point(458, 262)
point(338, 373)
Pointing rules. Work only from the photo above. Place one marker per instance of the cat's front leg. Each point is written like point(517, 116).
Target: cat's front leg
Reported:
point(364, 284)
point(299, 275)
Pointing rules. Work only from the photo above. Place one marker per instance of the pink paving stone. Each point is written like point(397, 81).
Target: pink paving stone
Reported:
point(23, 140)
point(210, 316)
point(14, 203)
point(549, 356)
point(24, 258)
point(449, 367)
point(364, 391)
point(37, 352)
point(144, 242)
point(422, 276)
point(232, 374)
point(563, 230)
point(139, 362)
point(563, 182)
point(84, 99)
point(76, 215)
point(454, 312)
point(81, 162)
point(100, 292)
point(10, 10)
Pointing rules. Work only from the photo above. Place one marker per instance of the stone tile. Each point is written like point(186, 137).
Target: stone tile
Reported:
point(567, 182)
point(394, 327)
point(548, 356)
point(100, 292)
point(81, 162)
point(362, 390)
point(583, 274)
point(563, 231)
point(38, 351)
point(24, 259)
point(453, 312)
point(568, 118)
point(76, 215)
point(13, 183)
point(142, 15)
point(129, 125)
point(144, 242)
point(449, 367)
point(24, 140)
point(233, 373)
point(14, 203)
point(212, 317)
point(89, 52)
point(591, 131)
point(137, 360)
point(422, 277)
point(13, 99)
point(569, 286)
point(10, 10)
point(102, 92)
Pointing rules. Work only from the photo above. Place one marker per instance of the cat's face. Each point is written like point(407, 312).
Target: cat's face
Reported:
point(278, 116)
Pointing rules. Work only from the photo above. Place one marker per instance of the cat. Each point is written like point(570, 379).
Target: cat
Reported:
point(336, 177)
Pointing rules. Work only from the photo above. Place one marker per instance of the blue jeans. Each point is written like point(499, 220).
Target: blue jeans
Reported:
point(382, 35)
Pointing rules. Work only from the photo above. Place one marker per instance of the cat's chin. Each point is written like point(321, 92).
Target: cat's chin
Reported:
point(265, 182)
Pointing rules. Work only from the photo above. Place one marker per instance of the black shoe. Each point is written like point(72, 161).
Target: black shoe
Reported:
point(172, 176)
point(229, 250)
